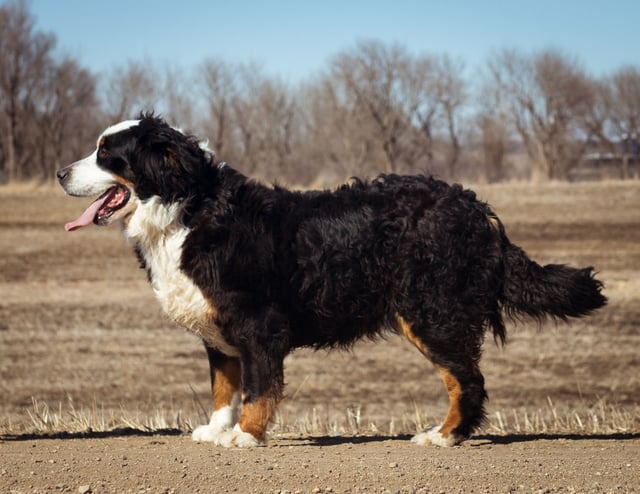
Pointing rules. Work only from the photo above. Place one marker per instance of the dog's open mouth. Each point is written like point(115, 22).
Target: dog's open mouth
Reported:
point(102, 208)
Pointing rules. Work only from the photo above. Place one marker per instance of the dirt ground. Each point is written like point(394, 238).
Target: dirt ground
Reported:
point(322, 464)
point(84, 348)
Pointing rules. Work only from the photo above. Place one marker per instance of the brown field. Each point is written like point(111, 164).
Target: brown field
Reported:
point(99, 389)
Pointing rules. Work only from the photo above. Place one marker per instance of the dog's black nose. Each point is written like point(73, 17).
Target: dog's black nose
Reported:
point(63, 173)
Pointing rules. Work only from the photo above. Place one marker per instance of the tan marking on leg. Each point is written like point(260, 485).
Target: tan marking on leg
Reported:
point(256, 416)
point(454, 415)
point(407, 330)
point(226, 383)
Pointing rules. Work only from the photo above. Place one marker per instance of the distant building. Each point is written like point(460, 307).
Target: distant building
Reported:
point(621, 162)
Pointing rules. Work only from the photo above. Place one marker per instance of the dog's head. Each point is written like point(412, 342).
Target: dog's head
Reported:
point(136, 161)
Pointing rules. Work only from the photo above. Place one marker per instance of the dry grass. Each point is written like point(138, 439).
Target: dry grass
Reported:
point(600, 419)
point(78, 420)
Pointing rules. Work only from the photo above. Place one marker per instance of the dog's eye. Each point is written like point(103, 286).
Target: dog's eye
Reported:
point(103, 153)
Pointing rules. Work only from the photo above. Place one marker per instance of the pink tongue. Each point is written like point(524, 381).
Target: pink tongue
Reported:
point(87, 217)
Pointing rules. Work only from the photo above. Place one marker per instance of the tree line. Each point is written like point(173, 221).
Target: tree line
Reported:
point(376, 107)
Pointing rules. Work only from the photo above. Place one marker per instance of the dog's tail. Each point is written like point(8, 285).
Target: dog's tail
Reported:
point(554, 290)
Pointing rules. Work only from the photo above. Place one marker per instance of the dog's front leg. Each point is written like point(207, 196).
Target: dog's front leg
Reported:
point(225, 387)
point(262, 383)
point(263, 347)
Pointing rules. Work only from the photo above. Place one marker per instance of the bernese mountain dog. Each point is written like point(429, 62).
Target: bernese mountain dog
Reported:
point(257, 271)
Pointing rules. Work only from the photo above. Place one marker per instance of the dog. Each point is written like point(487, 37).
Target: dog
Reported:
point(257, 271)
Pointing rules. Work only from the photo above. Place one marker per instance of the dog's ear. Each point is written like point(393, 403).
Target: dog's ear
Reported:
point(170, 163)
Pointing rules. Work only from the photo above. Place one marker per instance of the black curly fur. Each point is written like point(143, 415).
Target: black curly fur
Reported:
point(323, 269)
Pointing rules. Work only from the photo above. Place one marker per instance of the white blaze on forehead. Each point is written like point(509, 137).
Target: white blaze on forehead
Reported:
point(119, 127)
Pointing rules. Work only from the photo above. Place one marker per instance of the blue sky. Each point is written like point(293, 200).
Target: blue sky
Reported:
point(295, 40)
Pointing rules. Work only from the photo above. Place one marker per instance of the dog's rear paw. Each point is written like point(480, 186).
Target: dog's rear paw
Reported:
point(432, 435)
point(237, 438)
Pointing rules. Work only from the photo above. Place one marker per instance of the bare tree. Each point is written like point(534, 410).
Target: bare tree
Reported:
point(548, 97)
point(409, 104)
point(264, 112)
point(337, 137)
point(25, 55)
point(424, 107)
point(178, 101)
point(619, 115)
point(494, 137)
point(377, 107)
point(624, 101)
point(449, 89)
point(218, 83)
point(373, 76)
point(598, 117)
point(130, 89)
point(492, 131)
point(63, 129)
point(250, 117)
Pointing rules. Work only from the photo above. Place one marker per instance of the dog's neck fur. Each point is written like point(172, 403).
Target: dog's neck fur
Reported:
point(157, 234)
point(151, 222)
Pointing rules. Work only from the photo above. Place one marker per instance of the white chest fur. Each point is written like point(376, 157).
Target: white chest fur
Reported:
point(154, 228)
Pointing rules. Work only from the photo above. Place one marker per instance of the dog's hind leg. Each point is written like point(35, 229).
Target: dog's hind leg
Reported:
point(225, 387)
point(464, 384)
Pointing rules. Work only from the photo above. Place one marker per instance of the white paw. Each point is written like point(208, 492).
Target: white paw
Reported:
point(237, 438)
point(207, 433)
point(432, 436)
point(221, 421)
